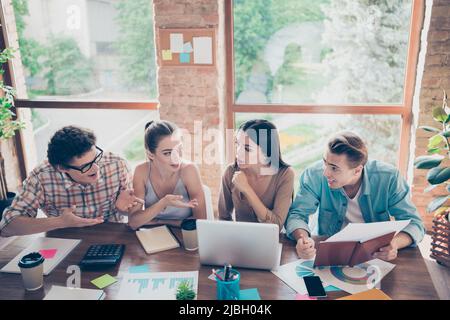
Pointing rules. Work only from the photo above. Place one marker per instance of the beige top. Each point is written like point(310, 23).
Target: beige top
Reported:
point(277, 198)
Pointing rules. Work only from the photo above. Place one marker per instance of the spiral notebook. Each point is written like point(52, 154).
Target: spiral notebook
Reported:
point(157, 239)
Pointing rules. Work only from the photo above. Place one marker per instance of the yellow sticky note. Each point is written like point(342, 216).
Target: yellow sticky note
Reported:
point(167, 55)
point(104, 281)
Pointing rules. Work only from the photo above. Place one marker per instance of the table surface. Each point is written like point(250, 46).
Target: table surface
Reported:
point(408, 280)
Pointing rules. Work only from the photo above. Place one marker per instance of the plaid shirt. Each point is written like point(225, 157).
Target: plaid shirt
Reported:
point(51, 191)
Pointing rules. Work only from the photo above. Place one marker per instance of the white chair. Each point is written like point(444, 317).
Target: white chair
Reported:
point(208, 203)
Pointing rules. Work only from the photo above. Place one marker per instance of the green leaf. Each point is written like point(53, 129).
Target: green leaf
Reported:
point(438, 175)
point(446, 134)
point(447, 119)
point(434, 150)
point(435, 140)
point(439, 114)
point(436, 203)
point(428, 162)
point(429, 129)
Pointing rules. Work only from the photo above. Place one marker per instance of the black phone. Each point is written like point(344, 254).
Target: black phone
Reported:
point(314, 286)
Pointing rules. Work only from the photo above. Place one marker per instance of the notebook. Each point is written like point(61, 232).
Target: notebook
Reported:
point(356, 243)
point(65, 293)
point(157, 239)
point(54, 251)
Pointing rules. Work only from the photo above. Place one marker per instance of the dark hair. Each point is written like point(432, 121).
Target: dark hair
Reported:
point(69, 142)
point(351, 145)
point(265, 134)
point(155, 131)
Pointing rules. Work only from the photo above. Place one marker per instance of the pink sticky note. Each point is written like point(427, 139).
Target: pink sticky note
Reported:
point(299, 296)
point(48, 253)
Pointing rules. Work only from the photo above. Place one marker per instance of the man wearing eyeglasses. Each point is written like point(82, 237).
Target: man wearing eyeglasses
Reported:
point(78, 186)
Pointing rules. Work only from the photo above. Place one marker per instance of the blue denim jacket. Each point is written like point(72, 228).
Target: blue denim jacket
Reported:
point(384, 194)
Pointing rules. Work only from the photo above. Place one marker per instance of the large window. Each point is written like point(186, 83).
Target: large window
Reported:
point(353, 60)
point(87, 49)
point(123, 135)
point(79, 60)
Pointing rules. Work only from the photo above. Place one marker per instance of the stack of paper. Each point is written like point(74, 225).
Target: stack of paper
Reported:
point(65, 293)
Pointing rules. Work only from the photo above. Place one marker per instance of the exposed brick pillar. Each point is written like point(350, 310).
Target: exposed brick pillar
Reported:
point(191, 94)
point(435, 78)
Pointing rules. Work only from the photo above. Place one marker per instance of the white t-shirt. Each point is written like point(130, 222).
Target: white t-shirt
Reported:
point(353, 214)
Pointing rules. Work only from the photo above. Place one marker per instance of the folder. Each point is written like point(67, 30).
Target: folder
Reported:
point(349, 253)
point(372, 294)
point(157, 239)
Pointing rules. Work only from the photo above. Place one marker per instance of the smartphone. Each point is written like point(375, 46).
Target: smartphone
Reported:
point(314, 286)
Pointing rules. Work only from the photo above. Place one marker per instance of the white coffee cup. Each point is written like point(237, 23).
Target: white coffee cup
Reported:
point(32, 269)
point(189, 231)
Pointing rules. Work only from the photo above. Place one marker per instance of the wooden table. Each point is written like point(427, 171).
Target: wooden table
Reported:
point(408, 280)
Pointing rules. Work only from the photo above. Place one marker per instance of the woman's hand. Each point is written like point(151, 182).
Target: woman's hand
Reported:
point(240, 181)
point(174, 200)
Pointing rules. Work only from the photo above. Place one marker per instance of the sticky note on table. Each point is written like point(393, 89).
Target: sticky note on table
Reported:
point(249, 294)
point(104, 281)
point(48, 253)
point(139, 269)
point(185, 57)
point(299, 296)
point(166, 55)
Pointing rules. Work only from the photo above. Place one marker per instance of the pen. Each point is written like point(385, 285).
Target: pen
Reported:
point(217, 275)
point(226, 271)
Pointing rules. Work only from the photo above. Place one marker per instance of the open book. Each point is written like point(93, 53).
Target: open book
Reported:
point(157, 239)
point(356, 243)
point(65, 293)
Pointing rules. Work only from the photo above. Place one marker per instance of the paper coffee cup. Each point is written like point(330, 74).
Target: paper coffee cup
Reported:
point(32, 269)
point(189, 231)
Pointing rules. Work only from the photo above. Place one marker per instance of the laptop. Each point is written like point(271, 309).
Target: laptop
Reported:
point(241, 244)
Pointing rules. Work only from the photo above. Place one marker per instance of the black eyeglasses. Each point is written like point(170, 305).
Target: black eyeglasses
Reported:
point(86, 167)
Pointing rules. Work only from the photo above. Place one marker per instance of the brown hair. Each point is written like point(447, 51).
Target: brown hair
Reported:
point(351, 145)
point(155, 131)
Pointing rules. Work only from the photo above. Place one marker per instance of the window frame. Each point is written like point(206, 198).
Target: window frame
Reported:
point(403, 109)
point(9, 79)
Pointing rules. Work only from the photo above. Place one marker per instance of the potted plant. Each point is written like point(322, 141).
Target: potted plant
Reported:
point(185, 291)
point(438, 175)
point(8, 126)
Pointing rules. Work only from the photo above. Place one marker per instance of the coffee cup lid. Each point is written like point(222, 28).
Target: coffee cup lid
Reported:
point(189, 224)
point(31, 260)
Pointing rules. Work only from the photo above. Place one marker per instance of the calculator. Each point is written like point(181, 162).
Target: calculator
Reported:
point(100, 256)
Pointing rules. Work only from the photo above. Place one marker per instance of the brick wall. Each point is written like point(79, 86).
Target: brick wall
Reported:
point(436, 77)
point(188, 95)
